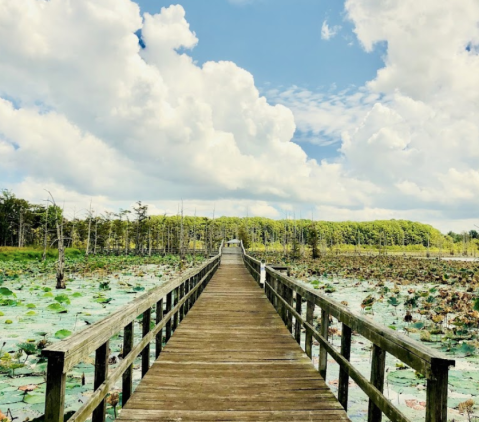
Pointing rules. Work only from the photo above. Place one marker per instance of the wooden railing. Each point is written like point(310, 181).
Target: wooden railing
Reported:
point(171, 302)
point(288, 296)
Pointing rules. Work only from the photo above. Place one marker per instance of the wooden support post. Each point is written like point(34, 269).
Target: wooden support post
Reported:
point(270, 281)
point(274, 299)
point(145, 354)
point(169, 302)
point(281, 307)
point(343, 385)
point(159, 336)
point(187, 303)
point(127, 382)
point(297, 324)
point(175, 302)
point(192, 286)
point(55, 394)
point(377, 379)
point(101, 372)
point(436, 396)
point(182, 307)
point(323, 354)
point(289, 316)
point(309, 335)
point(197, 293)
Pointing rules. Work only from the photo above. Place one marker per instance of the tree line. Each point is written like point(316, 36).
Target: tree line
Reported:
point(136, 231)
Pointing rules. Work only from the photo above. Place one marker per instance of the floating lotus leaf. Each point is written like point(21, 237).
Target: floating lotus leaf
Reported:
point(61, 334)
point(34, 398)
point(6, 292)
point(63, 298)
point(56, 307)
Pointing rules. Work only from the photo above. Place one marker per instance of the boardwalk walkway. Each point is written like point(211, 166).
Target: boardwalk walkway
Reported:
point(232, 359)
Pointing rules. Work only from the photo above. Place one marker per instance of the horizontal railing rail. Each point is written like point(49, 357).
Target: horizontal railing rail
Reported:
point(171, 302)
point(288, 296)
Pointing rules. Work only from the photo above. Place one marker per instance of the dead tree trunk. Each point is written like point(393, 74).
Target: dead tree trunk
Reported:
point(96, 236)
point(149, 236)
point(20, 229)
point(61, 256)
point(89, 231)
point(61, 247)
point(126, 236)
point(45, 236)
point(182, 234)
point(194, 236)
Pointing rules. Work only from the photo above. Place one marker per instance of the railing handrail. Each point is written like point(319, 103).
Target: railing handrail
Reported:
point(283, 291)
point(365, 326)
point(77, 346)
point(64, 355)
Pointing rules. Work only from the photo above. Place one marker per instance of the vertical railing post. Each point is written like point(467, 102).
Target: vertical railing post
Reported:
point(145, 354)
point(266, 288)
point(323, 354)
point(169, 304)
point(159, 336)
point(182, 307)
point(281, 307)
point(378, 365)
point(187, 303)
point(127, 381)
point(55, 394)
point(288, 296)
point(436, 395)
point(101, 372)
point(297, 323)
point(192, 286)
point(343, 384)
point(197, 292)
point(175, 302)
point(309, 334)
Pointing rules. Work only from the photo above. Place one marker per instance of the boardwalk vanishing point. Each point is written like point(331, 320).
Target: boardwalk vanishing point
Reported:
point(228, 347)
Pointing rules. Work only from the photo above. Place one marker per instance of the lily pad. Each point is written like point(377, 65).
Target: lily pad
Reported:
point(63, 298)
point(56, 307)
point(34, 398)
point(6, 292)
point(61, 334)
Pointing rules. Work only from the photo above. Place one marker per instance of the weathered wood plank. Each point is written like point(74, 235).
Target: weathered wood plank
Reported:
point(343, 384)
point(127, 379)
point(159, 336)
point(378, 366)
point(323, 354)
point(232, 358)
point(145, 354)
point(101, 372)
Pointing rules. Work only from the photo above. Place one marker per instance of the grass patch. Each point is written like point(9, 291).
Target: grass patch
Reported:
point(28, 254)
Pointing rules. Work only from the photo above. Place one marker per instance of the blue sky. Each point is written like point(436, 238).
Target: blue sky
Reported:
point(279, 43)
point(383, 94)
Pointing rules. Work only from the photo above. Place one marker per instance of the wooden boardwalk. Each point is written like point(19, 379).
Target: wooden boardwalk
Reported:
point(232, 359)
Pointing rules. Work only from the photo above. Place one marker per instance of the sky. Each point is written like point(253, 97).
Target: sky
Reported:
point(340, 110)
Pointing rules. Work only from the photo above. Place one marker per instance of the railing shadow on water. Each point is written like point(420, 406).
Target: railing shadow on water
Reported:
point(170, 302)
point(287, 296)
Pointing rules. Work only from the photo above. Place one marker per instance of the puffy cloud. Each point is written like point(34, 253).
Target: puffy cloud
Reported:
point(91, 110)
point(413, 130)
point(86, 110)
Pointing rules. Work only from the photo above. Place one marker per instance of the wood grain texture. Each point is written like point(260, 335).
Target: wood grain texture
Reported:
point(232, 359)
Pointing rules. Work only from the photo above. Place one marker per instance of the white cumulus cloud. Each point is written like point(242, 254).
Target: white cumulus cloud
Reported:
point(86, 107)
point(413, 130)
point(85, 110)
